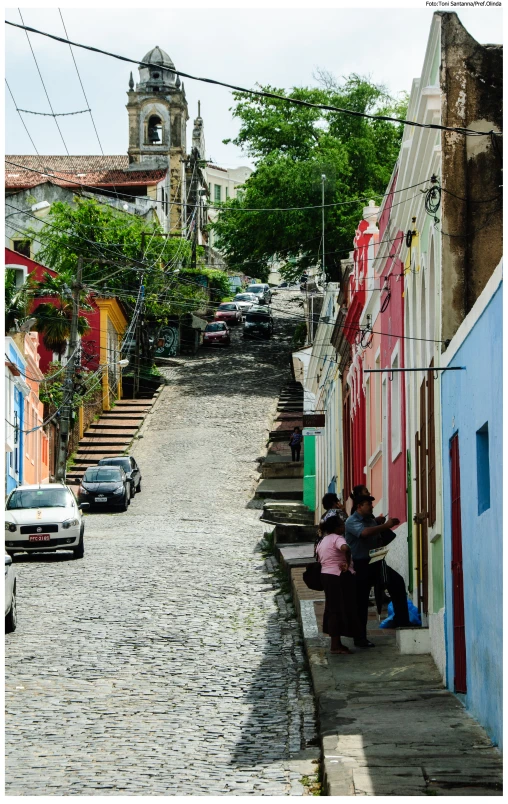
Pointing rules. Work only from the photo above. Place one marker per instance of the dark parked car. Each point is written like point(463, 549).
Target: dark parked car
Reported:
point(105, 487)
point(216, 334)
point(258, 323)
point(130, 468)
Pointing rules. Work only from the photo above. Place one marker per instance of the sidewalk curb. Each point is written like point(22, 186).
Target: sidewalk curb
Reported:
point(322, 682)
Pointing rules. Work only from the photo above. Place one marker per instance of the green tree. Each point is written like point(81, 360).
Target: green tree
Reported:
point(18, 299)
point(104, 235)
point(292, 147)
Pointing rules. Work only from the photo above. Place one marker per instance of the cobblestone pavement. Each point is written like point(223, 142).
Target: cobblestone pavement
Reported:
point(167, 661)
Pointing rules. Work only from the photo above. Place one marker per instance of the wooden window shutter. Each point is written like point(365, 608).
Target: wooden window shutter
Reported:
point(431, 440)
point(423, 450)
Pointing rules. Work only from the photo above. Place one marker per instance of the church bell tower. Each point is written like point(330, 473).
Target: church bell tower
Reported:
point(158, 114)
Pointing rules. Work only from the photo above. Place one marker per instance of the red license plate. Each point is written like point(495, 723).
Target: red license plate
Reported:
point(39, 537)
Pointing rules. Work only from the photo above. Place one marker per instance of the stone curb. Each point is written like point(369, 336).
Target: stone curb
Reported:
point(322, 681)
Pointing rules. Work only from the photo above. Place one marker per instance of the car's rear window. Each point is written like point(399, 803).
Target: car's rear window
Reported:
point(103, 474)
point(40, 498)
point(255, 317)
point(123, 462)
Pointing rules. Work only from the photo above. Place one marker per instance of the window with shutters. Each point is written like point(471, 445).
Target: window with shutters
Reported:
point(431, 448)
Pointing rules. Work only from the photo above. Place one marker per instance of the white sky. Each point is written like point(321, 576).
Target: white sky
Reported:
point(282, 47)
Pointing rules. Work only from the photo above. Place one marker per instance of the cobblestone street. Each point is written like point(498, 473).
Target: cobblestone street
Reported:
point(167, 661)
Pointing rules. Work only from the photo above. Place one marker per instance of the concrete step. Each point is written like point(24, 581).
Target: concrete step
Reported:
point(282, 469)
point(296, 534)
point(281, 489)
point(104, 441)
point(295, 555)
point(101, 425)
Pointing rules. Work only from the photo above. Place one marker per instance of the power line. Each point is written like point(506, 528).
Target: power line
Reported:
point(220, 208)
point(21, 118)
point(42, 81)
point(55, 114)
point(262, 93)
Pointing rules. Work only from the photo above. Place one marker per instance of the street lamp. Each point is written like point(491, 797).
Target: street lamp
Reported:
point(124, 362)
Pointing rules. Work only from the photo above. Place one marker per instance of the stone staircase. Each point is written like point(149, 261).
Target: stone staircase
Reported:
point(110, 436)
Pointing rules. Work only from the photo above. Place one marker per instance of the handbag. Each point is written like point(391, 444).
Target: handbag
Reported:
point(312, 574)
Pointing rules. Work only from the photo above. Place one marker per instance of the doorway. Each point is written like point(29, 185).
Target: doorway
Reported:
point(459, 626)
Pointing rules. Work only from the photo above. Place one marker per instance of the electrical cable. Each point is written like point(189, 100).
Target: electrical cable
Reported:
point(222, 208)
point(21, 118)
point(42, 81)
point(262, 93)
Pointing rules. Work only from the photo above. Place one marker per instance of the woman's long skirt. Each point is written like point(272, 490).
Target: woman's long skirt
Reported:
point(341, 612)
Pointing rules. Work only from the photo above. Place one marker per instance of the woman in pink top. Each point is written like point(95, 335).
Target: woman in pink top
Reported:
point(339, 583)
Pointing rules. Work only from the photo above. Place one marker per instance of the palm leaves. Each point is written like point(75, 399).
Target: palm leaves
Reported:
point(53, 319)
point(17, 299)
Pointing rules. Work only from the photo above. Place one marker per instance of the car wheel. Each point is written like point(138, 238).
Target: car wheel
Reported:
point(11, 620)
point(79, 551)
point(10, 553)
point(138, 490)
point(125, 504)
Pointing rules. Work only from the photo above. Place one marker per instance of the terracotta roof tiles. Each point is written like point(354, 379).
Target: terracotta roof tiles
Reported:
point(67, 171)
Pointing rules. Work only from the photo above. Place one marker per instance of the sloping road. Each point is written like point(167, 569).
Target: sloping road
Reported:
point(165, 662)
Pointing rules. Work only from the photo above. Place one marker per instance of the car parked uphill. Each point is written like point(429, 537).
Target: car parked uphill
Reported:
point(258, 323)
point(130, 467)
point(216, 334)
point(245, 301)
point(105, 487)
point(44, 517)
point(229, 312)
point(11, 613)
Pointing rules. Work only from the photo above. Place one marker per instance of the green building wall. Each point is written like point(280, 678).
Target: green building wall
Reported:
point(309, 472)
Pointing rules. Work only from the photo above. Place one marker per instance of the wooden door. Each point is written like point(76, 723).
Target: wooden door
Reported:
point(459, 628)
point(421, 516)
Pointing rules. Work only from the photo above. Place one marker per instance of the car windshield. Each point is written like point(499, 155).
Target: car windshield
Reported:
point(257, 289)
point(102, 474)
point(227, 307)
point(258, 317)
point(215, 327)
point(123, 462)
point(243, 297)
point(40, 498)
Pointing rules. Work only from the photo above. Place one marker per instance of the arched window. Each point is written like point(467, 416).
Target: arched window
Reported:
point(154, 130)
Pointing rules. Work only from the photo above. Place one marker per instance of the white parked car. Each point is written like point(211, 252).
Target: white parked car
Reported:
point(245, 301)
point(11, 617)
point(44, 517)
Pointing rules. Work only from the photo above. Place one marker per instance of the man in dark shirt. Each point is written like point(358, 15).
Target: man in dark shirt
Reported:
point(364, 533)
point(333, 507)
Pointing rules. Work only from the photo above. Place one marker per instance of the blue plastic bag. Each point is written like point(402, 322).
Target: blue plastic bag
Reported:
point(414, 615)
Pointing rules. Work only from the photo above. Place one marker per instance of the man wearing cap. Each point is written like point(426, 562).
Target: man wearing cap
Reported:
point(364, 533)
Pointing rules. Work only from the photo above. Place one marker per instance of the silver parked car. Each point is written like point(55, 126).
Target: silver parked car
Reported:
point(11, 616)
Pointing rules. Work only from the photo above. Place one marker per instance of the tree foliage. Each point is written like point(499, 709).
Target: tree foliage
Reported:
point(292, 147)
point(118, 249)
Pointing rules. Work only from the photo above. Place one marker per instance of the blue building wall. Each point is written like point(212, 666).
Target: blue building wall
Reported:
point(470, 399)
point(14, 460)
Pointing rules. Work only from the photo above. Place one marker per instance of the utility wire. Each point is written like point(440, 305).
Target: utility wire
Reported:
point(21, 118)
point(262, 93)
point(81, 84)
point(220, 208)
point(42, 81)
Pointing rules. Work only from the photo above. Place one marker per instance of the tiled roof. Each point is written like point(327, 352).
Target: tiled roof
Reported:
point(67, 171)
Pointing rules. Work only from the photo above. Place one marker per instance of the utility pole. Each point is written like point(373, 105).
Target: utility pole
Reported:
point(66, 414)
point(323, 271)
point(196, 207)
point(137, 353)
